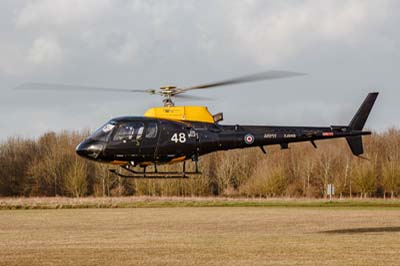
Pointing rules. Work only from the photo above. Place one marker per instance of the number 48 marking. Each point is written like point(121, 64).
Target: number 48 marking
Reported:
point(181, 137)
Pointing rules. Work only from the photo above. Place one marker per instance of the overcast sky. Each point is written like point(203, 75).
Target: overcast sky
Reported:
point(347, 48)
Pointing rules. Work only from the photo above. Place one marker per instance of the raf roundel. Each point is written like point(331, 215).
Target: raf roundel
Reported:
point(249, 139)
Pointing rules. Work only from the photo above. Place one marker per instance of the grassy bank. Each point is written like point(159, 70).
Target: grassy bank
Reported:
point(162, 202)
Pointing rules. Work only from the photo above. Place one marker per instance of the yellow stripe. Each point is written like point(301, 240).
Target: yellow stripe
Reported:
point(178, 159)
point(118, 162)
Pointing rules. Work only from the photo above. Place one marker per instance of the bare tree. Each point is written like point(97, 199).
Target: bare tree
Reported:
point(76, 182)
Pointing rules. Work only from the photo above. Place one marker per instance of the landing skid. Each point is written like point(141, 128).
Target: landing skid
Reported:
point(155, 174)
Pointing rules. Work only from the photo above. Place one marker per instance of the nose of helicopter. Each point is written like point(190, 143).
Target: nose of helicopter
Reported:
point(81, 149)
point(88, 149)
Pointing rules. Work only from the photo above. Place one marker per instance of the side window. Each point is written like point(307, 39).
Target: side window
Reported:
point(151, 131)
point(140, 132)
point(129, 131)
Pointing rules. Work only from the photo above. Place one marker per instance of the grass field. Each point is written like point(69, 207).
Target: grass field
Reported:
point(21, 203)
point(201, 236)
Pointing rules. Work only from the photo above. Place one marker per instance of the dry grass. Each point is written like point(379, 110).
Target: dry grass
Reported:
point(201, 236)
point(158, 202)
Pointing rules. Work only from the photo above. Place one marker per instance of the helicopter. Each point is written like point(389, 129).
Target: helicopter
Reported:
point(173, 134)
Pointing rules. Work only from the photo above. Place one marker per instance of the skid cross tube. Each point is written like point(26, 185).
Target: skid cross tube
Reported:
point(151, 176)
point(156, 174)
point(160, 173)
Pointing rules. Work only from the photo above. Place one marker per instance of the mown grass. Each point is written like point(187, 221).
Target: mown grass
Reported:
point(201, 236)
point(168, 202)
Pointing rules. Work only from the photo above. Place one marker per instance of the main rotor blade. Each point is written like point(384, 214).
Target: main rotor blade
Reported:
point(62, 87)
point(274, 74)
point(192, 97)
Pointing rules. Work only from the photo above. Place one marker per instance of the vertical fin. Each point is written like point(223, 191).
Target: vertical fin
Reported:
point(358, 122)
point(355, 144)
point(359, 119)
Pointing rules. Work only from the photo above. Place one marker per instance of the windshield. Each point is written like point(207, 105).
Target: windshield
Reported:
point(103, 132)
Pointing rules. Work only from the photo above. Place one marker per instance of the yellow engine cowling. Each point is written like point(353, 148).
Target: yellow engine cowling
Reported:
point(183, 113)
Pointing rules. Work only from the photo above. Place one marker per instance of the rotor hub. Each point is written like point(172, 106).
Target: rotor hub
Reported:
point(168, 92)
point(168, 88)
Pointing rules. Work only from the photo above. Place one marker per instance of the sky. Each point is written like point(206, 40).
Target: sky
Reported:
point(347, 49)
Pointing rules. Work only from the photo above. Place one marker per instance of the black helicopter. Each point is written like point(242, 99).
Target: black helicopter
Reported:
point(172, 134)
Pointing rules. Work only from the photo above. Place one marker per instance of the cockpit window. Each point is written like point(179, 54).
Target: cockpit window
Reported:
point(151, 131)
point(103, 132)
point(129, 131)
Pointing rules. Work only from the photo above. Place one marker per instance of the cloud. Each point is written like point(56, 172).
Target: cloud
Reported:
point(50, 13)
point(273, 34)
point(269, 32)
point(45, 52)
point(344, 45)
point(117, 30)
point(10, 59)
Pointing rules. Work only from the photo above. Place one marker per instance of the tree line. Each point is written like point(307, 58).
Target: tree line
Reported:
point(48, 166)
